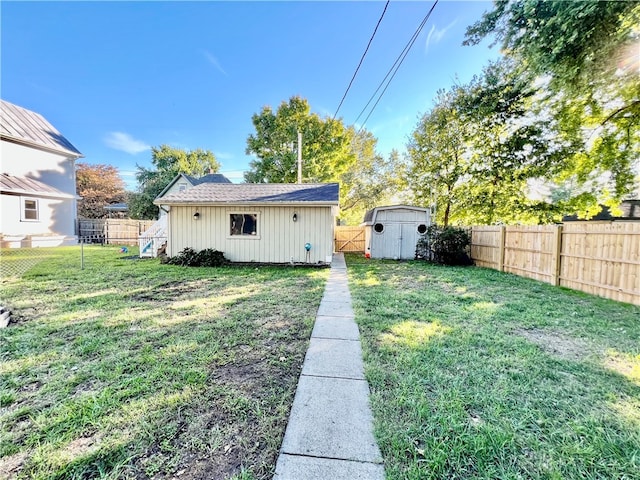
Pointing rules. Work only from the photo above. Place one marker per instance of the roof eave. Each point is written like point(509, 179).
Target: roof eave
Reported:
point(187, 203)
point(26, 143)
point(31, 193)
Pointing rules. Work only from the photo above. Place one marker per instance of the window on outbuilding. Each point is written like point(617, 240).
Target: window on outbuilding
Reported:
point(378, 228)
point(422, 229)
point(30, 210)
point(244, 224)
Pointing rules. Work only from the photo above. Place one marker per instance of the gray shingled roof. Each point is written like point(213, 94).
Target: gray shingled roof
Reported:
point(253, 193)
point(27, 127)
point(28, 186)
point(210, 178)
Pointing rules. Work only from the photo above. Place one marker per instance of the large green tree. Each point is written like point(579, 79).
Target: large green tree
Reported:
point(438, 156)
point(371, 180)
point(476, 152)
point(167, 163)
point(331, 152)
point(509, 146)
point(97, 185)
point(325, 145)
point(584, 56)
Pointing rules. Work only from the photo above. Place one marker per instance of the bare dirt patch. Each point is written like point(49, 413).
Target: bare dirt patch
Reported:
point(557, 344)
point(81, 446)
point(11, 465)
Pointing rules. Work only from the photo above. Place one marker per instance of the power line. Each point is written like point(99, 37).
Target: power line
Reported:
point(362, 59)
point(396, 65)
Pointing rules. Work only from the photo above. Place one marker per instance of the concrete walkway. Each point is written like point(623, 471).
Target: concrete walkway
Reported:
point(330, 431)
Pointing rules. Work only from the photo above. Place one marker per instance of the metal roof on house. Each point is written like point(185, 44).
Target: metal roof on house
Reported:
point(254, 193)
point(28, 186)
point(30, 128)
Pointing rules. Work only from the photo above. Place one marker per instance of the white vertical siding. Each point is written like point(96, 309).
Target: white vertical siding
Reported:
point(279, 239)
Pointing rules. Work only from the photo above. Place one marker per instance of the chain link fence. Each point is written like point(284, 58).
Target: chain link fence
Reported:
point(122, 233)
point(16, 262)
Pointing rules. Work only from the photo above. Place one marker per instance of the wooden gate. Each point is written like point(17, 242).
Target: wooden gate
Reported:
point(349, 239)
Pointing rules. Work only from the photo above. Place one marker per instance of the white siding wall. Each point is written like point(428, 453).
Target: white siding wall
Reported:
point(50, 168)
point(52, 213)
point(279, 238)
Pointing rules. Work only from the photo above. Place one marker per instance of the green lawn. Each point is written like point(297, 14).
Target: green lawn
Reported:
point(479, 374)
point(132, 369)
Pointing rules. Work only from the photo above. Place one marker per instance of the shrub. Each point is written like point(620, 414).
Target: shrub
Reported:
point(446, 245)
point(208, 257)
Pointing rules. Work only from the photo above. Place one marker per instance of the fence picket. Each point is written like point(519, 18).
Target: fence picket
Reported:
point(598, 258)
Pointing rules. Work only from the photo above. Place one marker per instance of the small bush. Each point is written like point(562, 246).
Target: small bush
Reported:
point(208, 257)
point(445, 245)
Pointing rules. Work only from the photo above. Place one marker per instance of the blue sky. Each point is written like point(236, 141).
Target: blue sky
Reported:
point(119, 77)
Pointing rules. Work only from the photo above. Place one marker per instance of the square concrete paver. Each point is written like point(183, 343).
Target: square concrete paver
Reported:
point(335, 327)
point(334, 297)
point(331, 418)
point(335, 309)
point(293, 467)
point(328, 357)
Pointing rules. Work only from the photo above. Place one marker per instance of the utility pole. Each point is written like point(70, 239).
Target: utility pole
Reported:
point(299, 156)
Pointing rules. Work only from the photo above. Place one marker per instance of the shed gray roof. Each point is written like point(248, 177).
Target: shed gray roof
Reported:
point(255, 193)
point(370, 215)
point(28, 186)
point(30, 128)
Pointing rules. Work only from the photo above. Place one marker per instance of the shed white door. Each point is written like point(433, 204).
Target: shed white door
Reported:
point(408, 241)
point(397, 241)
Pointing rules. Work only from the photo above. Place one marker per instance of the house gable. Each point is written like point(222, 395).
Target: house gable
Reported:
point(38, 179)
point(182, 182)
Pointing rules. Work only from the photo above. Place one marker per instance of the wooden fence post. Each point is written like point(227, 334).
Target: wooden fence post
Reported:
point(503, 231)
point(557, 252)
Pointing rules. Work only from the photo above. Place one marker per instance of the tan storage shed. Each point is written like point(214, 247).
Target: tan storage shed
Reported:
point(393, 231)
point(263, 223)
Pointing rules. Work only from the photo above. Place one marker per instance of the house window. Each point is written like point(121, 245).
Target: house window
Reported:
point(244, 224)
point(30, 210)
point(182, 187)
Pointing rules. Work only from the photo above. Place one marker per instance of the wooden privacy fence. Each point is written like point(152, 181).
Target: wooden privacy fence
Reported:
point(112, 230)
point(600, 258)
point(349, 239)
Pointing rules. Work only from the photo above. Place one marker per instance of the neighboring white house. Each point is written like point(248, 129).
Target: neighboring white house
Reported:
point(182, 183)
point(37, 181)
point(393, 231)
point(154, 239)
point(264, 223)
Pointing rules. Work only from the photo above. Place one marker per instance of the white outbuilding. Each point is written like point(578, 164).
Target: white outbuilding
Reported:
point(254, 222)
point(393, 231)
